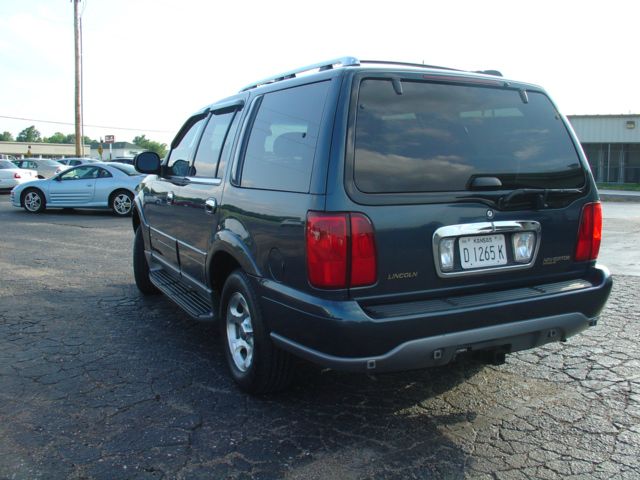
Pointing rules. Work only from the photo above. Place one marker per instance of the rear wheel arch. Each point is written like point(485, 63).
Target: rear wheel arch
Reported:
point(222, 265)
point(230, 243)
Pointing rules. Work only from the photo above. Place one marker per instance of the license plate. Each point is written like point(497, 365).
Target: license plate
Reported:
point(482, 251)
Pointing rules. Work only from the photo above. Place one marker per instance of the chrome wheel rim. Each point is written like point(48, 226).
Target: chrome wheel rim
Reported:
point(32, 201)
point(240, 332)
point(122, 204)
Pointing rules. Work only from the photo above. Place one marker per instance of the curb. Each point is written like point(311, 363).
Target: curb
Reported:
point(619, 197)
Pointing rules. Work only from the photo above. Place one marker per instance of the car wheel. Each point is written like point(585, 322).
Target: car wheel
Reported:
point(255, 363)
point(121, 203)
point(33, 200)
point(140, 265)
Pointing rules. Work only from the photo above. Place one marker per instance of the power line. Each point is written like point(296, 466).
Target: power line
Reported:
point(86, 125)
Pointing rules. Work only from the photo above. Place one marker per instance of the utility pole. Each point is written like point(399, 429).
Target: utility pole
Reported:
point(78, 81)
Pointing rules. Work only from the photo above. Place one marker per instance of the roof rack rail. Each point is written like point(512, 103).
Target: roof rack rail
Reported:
point(495, 73)
point(407, 64)
point(321, 66)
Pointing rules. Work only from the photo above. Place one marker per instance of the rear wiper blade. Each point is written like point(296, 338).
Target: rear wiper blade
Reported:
point(541, 198)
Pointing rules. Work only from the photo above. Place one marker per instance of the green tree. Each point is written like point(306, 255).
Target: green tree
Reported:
point(57, 137)
point(6, 137)
point(71, 138)
point(144, 142)
point(29, 134)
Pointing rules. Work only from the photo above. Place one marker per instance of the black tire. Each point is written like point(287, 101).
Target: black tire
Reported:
point(268, 368)
point(140, 266)
point(121, 202)
point(33, 200)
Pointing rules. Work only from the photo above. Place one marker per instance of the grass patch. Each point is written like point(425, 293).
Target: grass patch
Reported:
point(633, 187)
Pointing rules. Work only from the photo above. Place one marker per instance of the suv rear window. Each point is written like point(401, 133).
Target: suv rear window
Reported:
point(438, 137)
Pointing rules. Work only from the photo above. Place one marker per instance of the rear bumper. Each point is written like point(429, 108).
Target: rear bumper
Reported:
point(442, 349)
point(347, 336)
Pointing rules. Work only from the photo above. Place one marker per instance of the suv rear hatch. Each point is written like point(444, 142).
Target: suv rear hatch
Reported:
point(474, 159)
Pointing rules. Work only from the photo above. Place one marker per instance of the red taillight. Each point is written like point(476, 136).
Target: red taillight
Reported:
point(340, 250)
point(589, 233)
point(16, 175)
point(327, 250)
point(363, 251)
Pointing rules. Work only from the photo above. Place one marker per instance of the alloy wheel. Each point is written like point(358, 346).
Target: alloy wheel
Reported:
point(122, 204)
point(240, 332)
point(32, 201)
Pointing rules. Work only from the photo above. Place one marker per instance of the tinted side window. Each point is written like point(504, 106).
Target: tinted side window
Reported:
point(80, 173)
point(206, 161)
point(180, 156)
point(102, 173)
point(281, 147)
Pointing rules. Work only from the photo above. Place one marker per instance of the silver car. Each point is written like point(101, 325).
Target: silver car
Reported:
point(75, 161)
point(98, 185)
point(45, 167)
point(10, 175)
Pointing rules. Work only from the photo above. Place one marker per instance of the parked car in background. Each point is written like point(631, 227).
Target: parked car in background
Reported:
point(125, 160)
point(374, 217)
point(45, 167)
point(96, 185)
point(11, 175)
point(74, 162)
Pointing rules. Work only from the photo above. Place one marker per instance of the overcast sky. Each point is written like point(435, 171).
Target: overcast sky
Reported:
point(148, 64)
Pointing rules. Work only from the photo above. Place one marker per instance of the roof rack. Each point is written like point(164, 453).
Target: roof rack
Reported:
point(495, 73)
point(407, 64)
point(350, 62)
point(327, 65)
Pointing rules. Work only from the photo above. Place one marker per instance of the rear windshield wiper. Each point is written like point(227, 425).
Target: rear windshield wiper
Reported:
point(541, 195)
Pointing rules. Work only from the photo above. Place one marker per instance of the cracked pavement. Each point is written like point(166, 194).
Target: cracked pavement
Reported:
point(98, 382)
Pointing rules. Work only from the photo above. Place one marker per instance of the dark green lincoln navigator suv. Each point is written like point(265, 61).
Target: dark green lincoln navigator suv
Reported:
point(374, 217)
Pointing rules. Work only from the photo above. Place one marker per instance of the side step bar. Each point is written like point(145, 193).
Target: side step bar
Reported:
point(195, 304)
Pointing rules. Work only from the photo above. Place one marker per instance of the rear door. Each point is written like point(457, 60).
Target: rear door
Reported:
point(198, 197)
point(452, 172)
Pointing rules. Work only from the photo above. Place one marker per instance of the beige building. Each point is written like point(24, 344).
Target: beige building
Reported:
point(40, 150)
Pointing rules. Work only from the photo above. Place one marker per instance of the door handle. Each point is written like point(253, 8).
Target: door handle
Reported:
point(170, 198)
point(210, 205)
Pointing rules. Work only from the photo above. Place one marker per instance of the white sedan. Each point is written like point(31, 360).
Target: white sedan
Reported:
point(10, 175)
point(98, 185)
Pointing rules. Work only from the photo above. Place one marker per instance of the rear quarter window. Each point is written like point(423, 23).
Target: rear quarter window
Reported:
point(437, 137)
point(281, 147)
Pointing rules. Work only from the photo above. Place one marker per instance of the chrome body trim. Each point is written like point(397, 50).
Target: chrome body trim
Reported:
point(485, 228)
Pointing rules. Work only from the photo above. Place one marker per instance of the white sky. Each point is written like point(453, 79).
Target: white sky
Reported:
point(148, 64)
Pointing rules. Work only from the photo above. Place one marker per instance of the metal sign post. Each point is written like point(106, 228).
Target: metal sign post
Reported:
point(110, 139)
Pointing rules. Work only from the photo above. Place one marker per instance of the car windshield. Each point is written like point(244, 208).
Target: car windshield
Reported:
point(51, 163)
point(4, 164)
point(430, 137)
point(123, 167)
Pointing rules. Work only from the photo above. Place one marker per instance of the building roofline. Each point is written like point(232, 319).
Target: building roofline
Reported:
point(606, 115)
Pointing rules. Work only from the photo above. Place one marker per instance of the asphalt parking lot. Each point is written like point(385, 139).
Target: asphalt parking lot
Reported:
point(99, 382)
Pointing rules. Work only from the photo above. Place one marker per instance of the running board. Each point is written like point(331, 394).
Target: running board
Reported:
point(195, 304)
